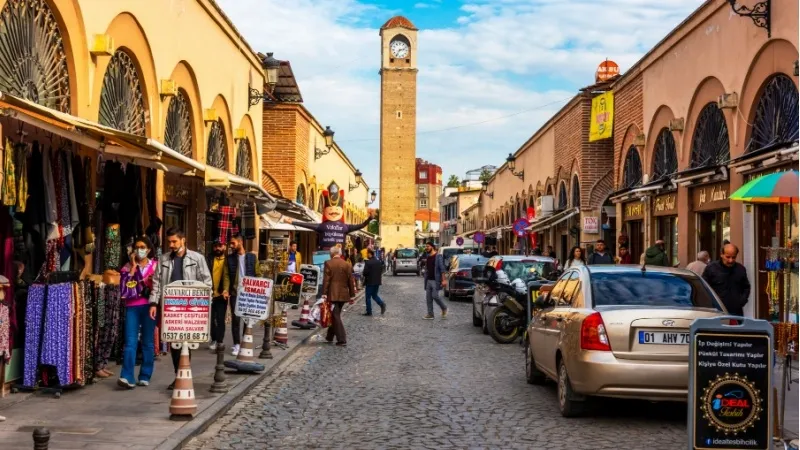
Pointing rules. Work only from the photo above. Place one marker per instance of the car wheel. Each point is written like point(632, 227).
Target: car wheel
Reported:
point(567, 402)
point(532, 374)
point(476, 321)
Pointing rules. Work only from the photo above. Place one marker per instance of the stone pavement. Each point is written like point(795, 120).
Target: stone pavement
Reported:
point(103, 416)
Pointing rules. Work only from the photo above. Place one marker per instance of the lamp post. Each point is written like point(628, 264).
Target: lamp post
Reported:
point(328, 135)
point(372, 198)
point(511, 160)
point(759, 14)
point(271, 67)
point(485, 186)
point(352, 187)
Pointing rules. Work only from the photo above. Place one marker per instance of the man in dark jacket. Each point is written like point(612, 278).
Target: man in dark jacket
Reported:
point(600, 255)
point(373, 268)
point(656, 256)
point(729, 280)
point(241, 264)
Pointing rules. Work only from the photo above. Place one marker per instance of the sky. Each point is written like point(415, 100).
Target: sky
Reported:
point(491, 72)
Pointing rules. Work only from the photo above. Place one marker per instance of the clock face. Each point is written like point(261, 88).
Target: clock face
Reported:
point(399, 49)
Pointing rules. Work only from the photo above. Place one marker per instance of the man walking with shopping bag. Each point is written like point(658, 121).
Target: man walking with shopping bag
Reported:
point(338, 287)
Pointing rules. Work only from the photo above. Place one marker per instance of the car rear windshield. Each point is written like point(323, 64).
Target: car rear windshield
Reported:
point(449, 252)
point(657, 289)
point(527, 270)
point(406, 253)
point(466, 263)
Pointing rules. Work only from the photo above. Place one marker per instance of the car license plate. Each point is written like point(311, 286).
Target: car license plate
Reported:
point(663, 338)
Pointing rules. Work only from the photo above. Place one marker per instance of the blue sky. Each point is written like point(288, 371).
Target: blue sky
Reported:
point(491, 71)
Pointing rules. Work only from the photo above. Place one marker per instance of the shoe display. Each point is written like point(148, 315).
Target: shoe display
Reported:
point(235, 350)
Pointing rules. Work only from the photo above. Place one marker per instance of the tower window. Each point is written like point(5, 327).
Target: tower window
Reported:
point(399, 114)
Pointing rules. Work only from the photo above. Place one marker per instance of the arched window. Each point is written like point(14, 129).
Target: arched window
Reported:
point(665, 156)
point(33, 63)
point(121, 98)
point(301, 195)
point(178, 130)
point(312, 196)
point(320, 204)
point(217, 152)
point(576, 192)
point(776, 115)
point(562, 195)
point(244, 164)
point(632, 170)
point(710, 143)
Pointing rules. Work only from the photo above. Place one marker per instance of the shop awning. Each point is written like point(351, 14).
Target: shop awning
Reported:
point(763, 159)
point(272, 221)
point(547, 222)
point(701, 175)
point(124, 146)
point(295, 211)
point(650, 188)
point(363, 234)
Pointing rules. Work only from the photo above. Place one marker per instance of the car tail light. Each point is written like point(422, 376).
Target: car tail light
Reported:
point(593, 334)
point(464, 273)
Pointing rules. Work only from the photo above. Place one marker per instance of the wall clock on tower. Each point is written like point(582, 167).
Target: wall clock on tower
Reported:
point(399, 48)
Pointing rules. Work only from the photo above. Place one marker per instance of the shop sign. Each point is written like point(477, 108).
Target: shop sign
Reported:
point(665, 205)
point(606, 70)
point(310, 278)
point(633, 210)
point(711, 197)
point(176, 192)
point(459, 241)
point(730, 384)
point(591, 225)
point(252, 298)
point(287, 288)
point(186, 312)
point(602, 117)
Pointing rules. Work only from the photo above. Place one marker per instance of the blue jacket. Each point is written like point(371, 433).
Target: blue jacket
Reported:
point(233, 270)
point(439, 268)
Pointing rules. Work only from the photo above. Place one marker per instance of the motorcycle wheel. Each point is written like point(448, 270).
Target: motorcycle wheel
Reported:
point(501, 333)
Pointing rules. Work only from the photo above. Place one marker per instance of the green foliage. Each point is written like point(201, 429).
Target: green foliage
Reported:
point(453, 181)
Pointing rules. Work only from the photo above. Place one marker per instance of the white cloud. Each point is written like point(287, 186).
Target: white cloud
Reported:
point(497, 58)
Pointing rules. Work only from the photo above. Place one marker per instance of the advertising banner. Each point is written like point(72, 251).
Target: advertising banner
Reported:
point(186, 312)
point(252, 300)
point(287, 288)
point(602, 117)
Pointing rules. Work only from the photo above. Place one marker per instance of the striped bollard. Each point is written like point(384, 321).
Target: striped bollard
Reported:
point(245, 361)
point(183, 404)
point(282, 333)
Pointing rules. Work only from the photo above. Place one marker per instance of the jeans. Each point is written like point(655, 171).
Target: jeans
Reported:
point(432, 295)
point(370, 293)
point(218, 308)
point(137, 318)
point(235, 321)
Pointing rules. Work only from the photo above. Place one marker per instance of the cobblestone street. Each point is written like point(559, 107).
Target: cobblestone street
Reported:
point(404, 382)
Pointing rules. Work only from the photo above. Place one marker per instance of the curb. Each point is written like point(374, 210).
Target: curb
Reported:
point(225, 402)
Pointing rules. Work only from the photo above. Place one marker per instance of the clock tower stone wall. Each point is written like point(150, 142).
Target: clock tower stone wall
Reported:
point(398, 135)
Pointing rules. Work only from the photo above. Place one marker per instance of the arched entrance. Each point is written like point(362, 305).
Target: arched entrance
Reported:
point(217, 152)
point(121, 99)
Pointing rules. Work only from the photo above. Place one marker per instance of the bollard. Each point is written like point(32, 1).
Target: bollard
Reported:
point(219, 386)
point(244, 361)
point(282, 333)
point(265, 343)
point(41, 438)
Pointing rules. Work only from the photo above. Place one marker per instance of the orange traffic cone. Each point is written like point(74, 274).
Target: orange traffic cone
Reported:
point(281, 333)
point(246, 349)
point(183, 402)
point(304, 313)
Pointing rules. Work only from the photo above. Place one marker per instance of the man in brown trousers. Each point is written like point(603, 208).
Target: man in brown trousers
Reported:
point(338, 287)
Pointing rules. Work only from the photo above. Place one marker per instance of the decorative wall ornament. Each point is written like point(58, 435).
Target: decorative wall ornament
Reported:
point(244, 165)
point(710, 142)
point(121, 99)
point(632, 170)
point(33, 63)
point(217, 153)
point(665, 156)
point(776, 115)
point(178, 130)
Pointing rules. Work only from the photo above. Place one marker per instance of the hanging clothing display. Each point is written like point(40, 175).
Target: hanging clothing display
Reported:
point(21, 165)
point(9, 191)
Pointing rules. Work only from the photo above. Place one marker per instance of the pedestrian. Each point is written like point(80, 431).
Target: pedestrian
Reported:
point(729, 280)
point(338, 288)
point(372, 282)
point(292, 259)
point(576, 258)
point(434, 268)
point(698, 266)
point(220, 282)
point(600, 255)
point(624, 256)
point(136, 281)
point(241, 263)
point(179, 264)
point(656, 256)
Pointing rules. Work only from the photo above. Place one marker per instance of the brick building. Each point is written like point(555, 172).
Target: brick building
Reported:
point(429, 189)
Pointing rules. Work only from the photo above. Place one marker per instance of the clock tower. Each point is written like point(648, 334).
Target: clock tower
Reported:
point(398, 132)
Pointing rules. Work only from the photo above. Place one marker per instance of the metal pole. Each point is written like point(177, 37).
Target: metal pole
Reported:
point(266, 352)
point(219, 386)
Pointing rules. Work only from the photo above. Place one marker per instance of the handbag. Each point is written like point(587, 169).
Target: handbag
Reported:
point(325, 314)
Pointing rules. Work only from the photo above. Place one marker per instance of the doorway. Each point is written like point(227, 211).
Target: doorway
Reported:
point(564, 248)
point(713, 228)
point(635, 230)
point(174, 216)
point(767, 235)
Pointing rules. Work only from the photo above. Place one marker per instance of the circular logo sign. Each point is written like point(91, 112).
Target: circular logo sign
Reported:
point(731, 404)
point(520, 225)
point(460, 241)
point(479, 237)
point(606, 70)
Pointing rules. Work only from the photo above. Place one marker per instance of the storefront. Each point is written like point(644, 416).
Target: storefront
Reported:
point(711, 210)
point(633, 227)
point(665, 223)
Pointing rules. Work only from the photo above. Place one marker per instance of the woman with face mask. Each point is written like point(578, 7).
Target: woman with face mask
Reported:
point(136, 282)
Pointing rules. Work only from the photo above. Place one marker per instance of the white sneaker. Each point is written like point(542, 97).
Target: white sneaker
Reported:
point(213, 346)
point(235, 350)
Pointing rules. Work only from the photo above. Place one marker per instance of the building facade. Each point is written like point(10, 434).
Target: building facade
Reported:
point(448, 215)
point(398, 131)
point(429, 190)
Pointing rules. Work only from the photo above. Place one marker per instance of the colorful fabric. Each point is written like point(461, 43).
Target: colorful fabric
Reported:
point(132, 286)
point(33, 326)
point(9, 191)
point(57, 337)
point(21, 165)
point(5, 333)
point(112, 250)
point(89, 294)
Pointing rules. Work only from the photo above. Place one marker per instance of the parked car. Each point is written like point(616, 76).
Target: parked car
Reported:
point(458, 278)
point(526, 268)
point(449, 252)
point(617, 331)
point(405, 261)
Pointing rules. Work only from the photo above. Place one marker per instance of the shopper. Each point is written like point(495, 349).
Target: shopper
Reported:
point(136, 282)
point(600, 255)
point(656, 256)
point(576, 258)
point(729, 280)
point(179, 264)
point(372, 282)
point(292, 259)
point(241, 264)
point(624, 256)
point(434, 268)
point(698, 266)
point(220, 282)
point(338, 287)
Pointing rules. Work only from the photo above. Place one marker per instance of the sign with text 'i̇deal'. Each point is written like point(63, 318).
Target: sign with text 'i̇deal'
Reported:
point(186, 312)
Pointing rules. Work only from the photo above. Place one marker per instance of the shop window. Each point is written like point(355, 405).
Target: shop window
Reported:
point(33, 63)
point(178, 130)
point(217, 153)
point(776, 115)
point(665, 157)
point(632, 170)
point(320, 204)
point(576, 192)
point(423, 175)
point(301, 195)
point(423, 203)
point(667, 230)
point(713, 228)
point(710, 142)
point(122, 99)
point(562, 196)
point(244, 164)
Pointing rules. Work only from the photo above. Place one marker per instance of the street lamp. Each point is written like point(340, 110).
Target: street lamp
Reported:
point(760, 14)
point(485, 185)
point(328, 135)
point(372, 198)
point(271, 67)
point(352, 187)
point(511, 160)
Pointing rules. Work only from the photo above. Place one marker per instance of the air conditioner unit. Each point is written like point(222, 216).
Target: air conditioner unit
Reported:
point(544, 206)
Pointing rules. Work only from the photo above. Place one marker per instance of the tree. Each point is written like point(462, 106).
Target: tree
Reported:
point(485, 175)
point(374, 226)
point(453, 181)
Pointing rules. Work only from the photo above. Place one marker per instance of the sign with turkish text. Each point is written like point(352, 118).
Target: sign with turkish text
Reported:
point(633, 210)
point(186, 312)
point(665, 205)
point(606, 70)
point(287, 288)
point(591, 225)
point(479, 237)
point(602, 117)
point(520, 226)
point(711, 197)
point(253, 297)
point(310, 279)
